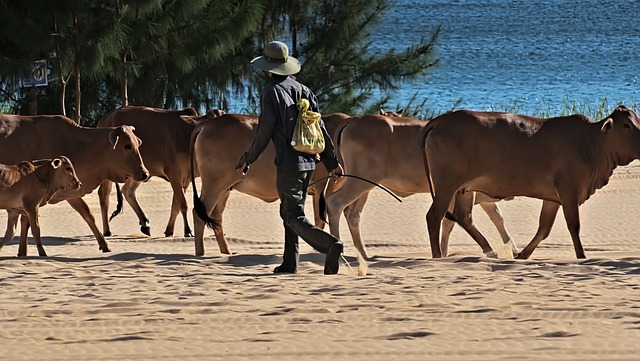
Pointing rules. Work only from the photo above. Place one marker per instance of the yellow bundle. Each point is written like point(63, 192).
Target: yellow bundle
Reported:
point(307, 135)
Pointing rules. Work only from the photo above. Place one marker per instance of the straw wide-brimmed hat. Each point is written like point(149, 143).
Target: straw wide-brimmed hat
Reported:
point(276, 59)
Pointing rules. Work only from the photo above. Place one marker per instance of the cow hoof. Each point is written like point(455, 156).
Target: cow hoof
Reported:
point(168, 234)
point(188, 234)
point(146, 230)
point(105, 249)
point(491, 254)
point(519, 256)
point(108, 234)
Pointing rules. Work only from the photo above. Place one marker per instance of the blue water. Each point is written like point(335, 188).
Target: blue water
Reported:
point(538, 52)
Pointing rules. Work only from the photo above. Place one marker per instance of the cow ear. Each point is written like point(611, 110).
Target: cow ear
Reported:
point(56, 163)
point(606, 125)
point(400, 112)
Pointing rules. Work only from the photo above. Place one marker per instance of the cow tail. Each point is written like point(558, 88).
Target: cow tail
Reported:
point(322, 200)
point(198, 206)
point(425, 160)
point(118, 209)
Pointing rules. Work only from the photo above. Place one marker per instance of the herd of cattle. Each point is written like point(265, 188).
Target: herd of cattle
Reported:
point(462, 158)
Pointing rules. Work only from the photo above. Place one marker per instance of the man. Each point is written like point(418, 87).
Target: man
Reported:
point(278, 114)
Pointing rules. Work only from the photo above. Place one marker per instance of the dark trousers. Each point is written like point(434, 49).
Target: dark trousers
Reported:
point(292, 189)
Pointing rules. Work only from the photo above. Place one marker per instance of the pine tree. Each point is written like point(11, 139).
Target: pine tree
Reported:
point(331, 38)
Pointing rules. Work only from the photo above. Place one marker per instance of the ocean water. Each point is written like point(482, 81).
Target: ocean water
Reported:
point(538, 53)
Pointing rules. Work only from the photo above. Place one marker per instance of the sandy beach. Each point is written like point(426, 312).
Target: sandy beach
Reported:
point(152, 299)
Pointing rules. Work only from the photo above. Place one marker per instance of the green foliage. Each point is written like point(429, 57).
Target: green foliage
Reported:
point(171, 54)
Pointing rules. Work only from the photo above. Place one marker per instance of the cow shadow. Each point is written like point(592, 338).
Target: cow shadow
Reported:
point(47, 241)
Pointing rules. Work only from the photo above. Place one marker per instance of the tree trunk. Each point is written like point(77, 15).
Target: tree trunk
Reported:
point(124, 85)
point(77, 115)
point(61, 79)
point(32, 101)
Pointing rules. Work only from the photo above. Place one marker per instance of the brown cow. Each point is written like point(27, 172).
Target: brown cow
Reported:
point(562, 161)
point(332, 122)
point(165, 134)
point(34, 183)
point(97, 154)
point(217, 147)
point(385, 150)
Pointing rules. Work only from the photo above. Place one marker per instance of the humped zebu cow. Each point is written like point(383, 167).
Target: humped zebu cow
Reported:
point(96, 153)
point(333, 123)
point(386, 150)
point(165, 134)
point(217, 145)
point(561, 160)
point(28, 185)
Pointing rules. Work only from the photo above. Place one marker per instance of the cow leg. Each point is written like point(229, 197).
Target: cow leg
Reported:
point(32, 216)
point(462, 213)
point(495, 215)
point(104, 191)
point(24, 236)
point(352, 213)
point(217, 216)
point(572, 217)
point(547, 217)
point(187, 229)
point(83, 209)
point(129, 191)
point(178, 205)
point(447, 228)
point(12, 222)
point(337, 201)
point(435, 214)
point(210, 199)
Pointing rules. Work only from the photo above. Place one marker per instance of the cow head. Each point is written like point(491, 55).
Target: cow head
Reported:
point(397, 113)
point(622, 131)
point(126, 147)
point(63, 175)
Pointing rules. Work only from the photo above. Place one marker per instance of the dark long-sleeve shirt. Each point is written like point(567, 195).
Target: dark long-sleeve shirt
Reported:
point(278, 115)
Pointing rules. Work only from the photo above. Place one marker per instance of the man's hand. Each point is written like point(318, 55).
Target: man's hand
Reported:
point(336, 173)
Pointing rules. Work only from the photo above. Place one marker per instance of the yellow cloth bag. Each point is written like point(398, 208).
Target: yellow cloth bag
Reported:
point(307, 135)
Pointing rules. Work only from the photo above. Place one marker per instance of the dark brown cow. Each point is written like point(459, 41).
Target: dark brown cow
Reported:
point(34, 183)
point(97, 154)
point(562, 161)
point(165, 135)
point(385, 150)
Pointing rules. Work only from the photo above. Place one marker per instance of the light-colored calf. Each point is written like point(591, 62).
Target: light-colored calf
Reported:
point(34, 183)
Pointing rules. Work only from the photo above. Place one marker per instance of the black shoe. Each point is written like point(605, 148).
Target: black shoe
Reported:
point(332, 262)
point(284, 269)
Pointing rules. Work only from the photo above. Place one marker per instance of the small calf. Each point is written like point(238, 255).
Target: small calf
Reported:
point(28, 185)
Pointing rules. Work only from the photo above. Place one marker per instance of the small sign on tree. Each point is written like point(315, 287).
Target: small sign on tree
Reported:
point(36, 74)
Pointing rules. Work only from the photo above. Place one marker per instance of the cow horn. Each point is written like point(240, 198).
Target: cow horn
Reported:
point(606, 124)
point(56, 163)
point(113, 137)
